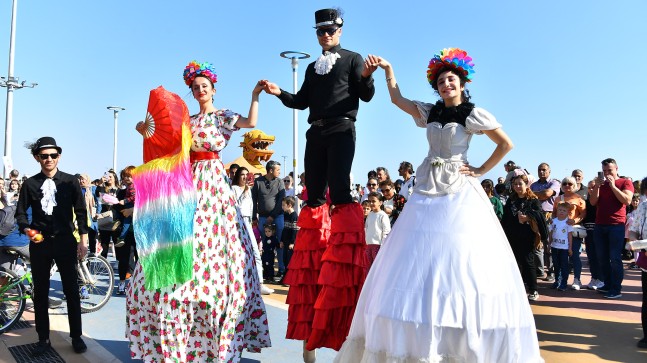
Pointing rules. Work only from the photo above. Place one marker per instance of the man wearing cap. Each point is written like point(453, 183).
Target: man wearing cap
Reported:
point(53, 196)
point(332, 88)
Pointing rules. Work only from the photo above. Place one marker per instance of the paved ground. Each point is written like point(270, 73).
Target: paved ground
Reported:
point(573, 326)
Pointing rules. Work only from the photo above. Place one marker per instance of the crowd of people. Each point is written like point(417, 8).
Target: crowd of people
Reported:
point(381, 273)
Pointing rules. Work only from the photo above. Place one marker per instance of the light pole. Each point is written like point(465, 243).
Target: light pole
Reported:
point(115, 111)
point(295, 56)
point(285, 166)
point(11, 83)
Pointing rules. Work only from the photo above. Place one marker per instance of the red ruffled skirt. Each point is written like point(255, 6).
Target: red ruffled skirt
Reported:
point(303, 271)
point(321, 313)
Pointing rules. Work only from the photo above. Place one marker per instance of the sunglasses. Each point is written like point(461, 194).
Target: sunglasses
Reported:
point(386, 190)
point(286, 181)
point(54, 156)
point(329, 31)
point(371, 184)
point(569, 184)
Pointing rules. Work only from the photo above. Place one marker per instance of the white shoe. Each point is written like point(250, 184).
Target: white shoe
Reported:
point(121, 290)
point(593, 285)
point(576, 285)
point(534, 296)
point(266, 290)
point(599, 285)
point(84, 293)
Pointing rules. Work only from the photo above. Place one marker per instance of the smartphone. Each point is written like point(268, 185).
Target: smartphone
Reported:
point(250, 178)
point(600, 174)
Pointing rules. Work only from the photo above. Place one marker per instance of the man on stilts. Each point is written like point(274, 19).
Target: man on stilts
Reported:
point(326, 272)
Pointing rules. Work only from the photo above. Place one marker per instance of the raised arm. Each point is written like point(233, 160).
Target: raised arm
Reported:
point(402, 102)
point(250, 121)
point(298, 101)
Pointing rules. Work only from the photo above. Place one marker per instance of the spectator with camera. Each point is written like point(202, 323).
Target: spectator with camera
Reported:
point(610, 194)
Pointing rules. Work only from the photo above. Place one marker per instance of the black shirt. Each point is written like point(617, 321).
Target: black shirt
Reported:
point(69, 198)
point(335, 94)
point(290, 228)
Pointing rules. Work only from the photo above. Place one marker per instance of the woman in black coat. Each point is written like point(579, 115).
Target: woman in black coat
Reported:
point(525, 226)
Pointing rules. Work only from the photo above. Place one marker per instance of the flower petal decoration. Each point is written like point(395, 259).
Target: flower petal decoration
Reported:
point(454, 58)
point(194, 69)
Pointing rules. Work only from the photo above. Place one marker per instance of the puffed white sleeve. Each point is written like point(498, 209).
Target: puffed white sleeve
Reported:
point(480, 120)
point(423, 108)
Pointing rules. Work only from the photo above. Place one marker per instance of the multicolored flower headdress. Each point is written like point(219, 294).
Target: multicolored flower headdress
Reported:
point(454, 58)
point(194, 69)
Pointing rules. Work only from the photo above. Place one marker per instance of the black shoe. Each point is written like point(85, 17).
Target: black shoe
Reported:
point(79, 345)
point(603, 290)
point(42, 347)
point(642, 343)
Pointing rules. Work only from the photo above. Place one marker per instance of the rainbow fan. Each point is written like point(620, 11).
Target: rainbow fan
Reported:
point(166, 197)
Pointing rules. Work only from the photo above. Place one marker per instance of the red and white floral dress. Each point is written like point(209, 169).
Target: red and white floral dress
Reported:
point(220, 312)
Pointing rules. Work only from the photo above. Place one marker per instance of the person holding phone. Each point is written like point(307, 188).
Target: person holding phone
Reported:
point(242, 184)
point(610, 194)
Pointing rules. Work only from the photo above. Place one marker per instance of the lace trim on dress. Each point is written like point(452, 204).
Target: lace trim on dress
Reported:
point(354, 350)
point(444, 115)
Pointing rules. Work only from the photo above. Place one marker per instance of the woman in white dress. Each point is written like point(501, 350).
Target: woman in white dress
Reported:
point(445, 286)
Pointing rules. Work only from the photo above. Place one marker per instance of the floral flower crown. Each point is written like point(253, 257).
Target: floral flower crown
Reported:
point(194, 69)
point(454, 58)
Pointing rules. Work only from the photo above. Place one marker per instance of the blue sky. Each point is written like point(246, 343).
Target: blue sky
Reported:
point(564, 78)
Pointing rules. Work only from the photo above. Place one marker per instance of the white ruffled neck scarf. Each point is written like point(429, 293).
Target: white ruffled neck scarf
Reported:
point(325, 62)
point(49, 196)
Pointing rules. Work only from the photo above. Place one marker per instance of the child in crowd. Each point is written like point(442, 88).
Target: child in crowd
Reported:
point(377, 227)
point(561, 242)
point(290, 229)
point(367, 209)
point(500, 190)
point(488, 187)
point(128, 201)
point(270, 243)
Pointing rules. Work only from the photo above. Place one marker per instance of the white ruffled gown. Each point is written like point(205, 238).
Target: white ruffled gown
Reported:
point(445, 285)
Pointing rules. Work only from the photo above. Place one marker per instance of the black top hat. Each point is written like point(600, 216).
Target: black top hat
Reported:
point(327, 17)
point(45, 142)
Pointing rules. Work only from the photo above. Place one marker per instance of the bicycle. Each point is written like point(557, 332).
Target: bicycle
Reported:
point(13, 297)
point(96, 282)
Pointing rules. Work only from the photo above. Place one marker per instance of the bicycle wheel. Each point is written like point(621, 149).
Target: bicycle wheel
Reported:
point(97, 280)
point(12, 302)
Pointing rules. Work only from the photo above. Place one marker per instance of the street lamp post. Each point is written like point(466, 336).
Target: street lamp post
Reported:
point(284, 166)
point(11, 83)
point(115, 111)
point(294, 56)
